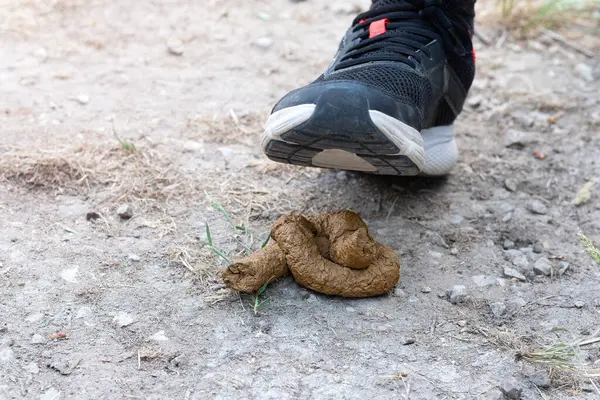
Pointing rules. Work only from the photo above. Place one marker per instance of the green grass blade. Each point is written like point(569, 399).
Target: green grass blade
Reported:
point(217, 206)
point(266, 242)
point(221, 254)
point(208, 236)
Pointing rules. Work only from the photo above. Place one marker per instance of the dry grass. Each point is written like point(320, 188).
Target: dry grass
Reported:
point(119, 174)
point(235, 128)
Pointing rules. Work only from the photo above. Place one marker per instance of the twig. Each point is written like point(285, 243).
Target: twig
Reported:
point(589, 341)
point(561, 39)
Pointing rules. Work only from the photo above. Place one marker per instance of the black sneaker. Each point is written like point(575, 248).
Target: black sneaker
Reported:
point(387, 103)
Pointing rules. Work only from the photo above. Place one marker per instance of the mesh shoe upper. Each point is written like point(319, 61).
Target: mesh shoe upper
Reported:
point(393, 61)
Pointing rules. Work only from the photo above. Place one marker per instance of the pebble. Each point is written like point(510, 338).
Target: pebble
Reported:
point(350, 309)
point(263, 42)
point(498, 309)
point(513, 306)
point(513, 273)
point(508, 244)
point(474, 101)
point(457, 294)
point(515, 139)
point(426, 289)
point(32, 368)
point(83, 99)
point(484, 280)
point(538, 247)
point(520, 261)
point(50, 394)
point(511, 389)
point(512, 253)
point(125, 211)
point(400, 293)
point(563, 267)
point(175, 46)
point(134, 257)
point(510, 185)
point(123, 319)
point(537, 207)
point(159, 336)
point(579, 303)
point(542, 267)
point(341, 176)
point(409, 341)
point(585, 71)
point(38, 339)
point(436, 239)
point(454, 251)
point(541, 380)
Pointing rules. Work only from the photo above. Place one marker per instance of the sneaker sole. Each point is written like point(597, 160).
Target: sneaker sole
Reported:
point(349, 136)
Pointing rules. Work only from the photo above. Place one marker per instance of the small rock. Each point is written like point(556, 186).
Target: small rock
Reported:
point(134, 257)
point(32, 368)
point(454, 251)
point(83, 99)
point(585, 71)
point(520, 261)
point(541, 380)
point(178, 361)
point(426, 289)
point(123, 319)
point(537, 207)
point(400, 293)
point(70, 274)
point(538, 247)
point(484, 280)
point(513, 306)
point(515, 139)
point(511, 389)
point(563, 267)
point(542, 267)
point(341, 176)
point(498, 309)
point(125, 211)
point(508, 244)
point(350, 309)
point(461, 323)
point(38, 339)
point(159, 336)
point(92, 216)
point(175, 46)
point(510, 185)
point(436, 239)
point(579, 303)
point(457, 294)
point(6, 355)
point(312, 298)
point(65, 367)
point(513, 273)
point(513, 253)
point(409, 341)
point(50, 394)
point(263, 42)
point(474, 101)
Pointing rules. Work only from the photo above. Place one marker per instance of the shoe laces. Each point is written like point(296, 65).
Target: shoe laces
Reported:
point(396, 32)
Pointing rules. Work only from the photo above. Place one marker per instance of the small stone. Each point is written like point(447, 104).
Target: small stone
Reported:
point(426, 289)
point(542, 267)
point(513, 253)
point(454, 251)
point(312, 298)
point(38, 339)
point(457, 294)
point(70, 274)
point(50, 394)
point(175, 46)
point(436, 239)
point(159, 337)
point(541, 380)
point(513, 273)
point(515, 139)
point(474, 101)
point(498, 309)
point(400, 293)
point(134, 257)
point(511, 389)
point(585, 71)
point(510, 185)
point(123, 319)
point(409, 341)
point(263, 42)
point(350, 309)
point(537, 207)
point(563, 266)
point(32, 368)
point(341, 176)
point(92, 216)
point(83, 99)
point(520, 261)
point(125, 211)
point(579, 303)
point(484, 280)
point(461, 323)
point(508, 244)
point(507, 217)
point(513, 306)
point(538, 247)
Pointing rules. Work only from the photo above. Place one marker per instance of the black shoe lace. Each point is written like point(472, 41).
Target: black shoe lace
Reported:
point(411, 25)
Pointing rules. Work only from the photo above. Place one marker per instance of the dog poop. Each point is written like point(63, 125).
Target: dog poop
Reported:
point(331, 253)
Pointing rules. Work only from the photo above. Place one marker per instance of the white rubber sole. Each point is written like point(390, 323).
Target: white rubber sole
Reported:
point(432, 150)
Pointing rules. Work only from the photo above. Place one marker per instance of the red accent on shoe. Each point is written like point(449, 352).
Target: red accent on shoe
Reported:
point(474, 57)
point(362, 21)
point(378, 27)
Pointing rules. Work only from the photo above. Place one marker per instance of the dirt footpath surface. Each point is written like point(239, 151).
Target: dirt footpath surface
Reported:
point(95, 306)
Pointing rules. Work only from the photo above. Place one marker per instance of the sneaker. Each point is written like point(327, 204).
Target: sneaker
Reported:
point(387, 103)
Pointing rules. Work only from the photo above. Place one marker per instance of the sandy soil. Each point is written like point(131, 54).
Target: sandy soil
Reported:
point(93, 306)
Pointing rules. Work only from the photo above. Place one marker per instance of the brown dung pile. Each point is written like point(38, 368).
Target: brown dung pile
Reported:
point(330, 253)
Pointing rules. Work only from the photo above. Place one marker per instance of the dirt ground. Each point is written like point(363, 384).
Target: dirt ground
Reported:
point(93, 306)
